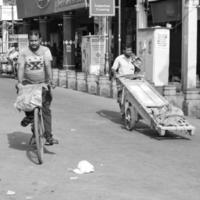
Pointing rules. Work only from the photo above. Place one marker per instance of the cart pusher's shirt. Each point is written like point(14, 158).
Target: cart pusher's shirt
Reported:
point(123, 65)
point(34, 64)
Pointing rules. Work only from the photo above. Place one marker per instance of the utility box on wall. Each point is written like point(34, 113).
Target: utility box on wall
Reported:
point(153, 48)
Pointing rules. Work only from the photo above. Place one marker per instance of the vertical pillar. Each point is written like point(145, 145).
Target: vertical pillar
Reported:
point(4, 36)
point(191, 104)
point(26, 26)
point(189, 43)
point(68, 42)
point(107, 48)
point(141, 15)
point(43, 30)
point(119, 26)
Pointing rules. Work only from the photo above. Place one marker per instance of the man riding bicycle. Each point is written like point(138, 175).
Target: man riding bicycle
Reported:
point(34, 67)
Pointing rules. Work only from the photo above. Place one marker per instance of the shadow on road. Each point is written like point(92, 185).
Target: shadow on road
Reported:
point(111, 115)
point(154, 135)
point(140, 127)
point(20, 141)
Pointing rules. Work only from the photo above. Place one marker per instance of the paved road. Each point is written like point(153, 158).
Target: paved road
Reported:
point(135, 165)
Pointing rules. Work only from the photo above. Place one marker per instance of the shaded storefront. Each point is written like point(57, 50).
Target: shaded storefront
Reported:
point(61, 23)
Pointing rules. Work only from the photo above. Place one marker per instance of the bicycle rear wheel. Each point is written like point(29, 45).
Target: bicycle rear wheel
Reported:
point(38, 130)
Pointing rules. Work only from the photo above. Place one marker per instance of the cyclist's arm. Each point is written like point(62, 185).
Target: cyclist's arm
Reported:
point(48, 71)
point(48, 64)
point(20, 71)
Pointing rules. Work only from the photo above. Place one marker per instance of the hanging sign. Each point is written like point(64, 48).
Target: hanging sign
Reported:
point(67, 5)
point(102, 7)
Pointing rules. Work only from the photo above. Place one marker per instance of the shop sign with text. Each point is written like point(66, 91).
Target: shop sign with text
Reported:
point(64, 5)
point(102, 7)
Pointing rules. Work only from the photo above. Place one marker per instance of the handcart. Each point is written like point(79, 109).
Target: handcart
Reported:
point(140, 100)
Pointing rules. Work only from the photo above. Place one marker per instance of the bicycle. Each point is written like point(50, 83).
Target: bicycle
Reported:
point(37, 127)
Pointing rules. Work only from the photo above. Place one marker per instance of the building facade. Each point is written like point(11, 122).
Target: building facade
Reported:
point(63, 23)
point(9, 23)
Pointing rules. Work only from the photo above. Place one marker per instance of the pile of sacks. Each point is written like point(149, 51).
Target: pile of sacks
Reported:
point(169, 115)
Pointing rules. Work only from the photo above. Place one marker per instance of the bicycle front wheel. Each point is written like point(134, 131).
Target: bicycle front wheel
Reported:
point(38, 131)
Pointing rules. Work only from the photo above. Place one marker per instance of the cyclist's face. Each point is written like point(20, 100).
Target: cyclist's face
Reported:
point(34, 42)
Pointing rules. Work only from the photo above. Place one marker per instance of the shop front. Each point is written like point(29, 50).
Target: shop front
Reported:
point(62, 23)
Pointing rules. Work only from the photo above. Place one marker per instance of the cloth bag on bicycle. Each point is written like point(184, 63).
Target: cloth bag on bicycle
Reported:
point(29, 97)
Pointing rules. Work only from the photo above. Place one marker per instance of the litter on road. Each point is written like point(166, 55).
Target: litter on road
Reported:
point(73, 178)
point(29, 197)
point(10, 192)
point(84, 167)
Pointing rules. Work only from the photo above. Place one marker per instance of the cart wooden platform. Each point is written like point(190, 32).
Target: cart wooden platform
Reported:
point(141, 100)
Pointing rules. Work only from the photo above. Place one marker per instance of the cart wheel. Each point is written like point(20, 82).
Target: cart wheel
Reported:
point(130, 118)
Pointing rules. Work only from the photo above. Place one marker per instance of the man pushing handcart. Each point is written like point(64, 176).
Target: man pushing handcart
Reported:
point(138, 99)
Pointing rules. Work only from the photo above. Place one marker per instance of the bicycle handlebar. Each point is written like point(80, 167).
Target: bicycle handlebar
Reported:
point(48, 85)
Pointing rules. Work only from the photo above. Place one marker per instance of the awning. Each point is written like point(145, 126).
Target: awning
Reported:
point(33, 8)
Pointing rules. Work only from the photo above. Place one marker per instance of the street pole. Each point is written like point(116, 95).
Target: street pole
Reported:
point(12, 7)
point(119, 27)
point(107, 47)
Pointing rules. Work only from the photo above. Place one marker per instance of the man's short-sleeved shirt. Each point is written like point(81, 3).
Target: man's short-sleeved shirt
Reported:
point(123, 65)
point(34, 63)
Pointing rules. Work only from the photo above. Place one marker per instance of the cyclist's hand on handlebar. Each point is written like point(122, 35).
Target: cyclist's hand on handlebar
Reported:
point(18, 86)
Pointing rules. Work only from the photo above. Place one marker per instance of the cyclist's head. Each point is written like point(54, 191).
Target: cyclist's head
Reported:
point(34, 38)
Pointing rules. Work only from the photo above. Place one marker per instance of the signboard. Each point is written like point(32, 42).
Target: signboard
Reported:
point(31, 8)
point(66, 5)
point(102, 7)
point(21, 39)
point(8, 13)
